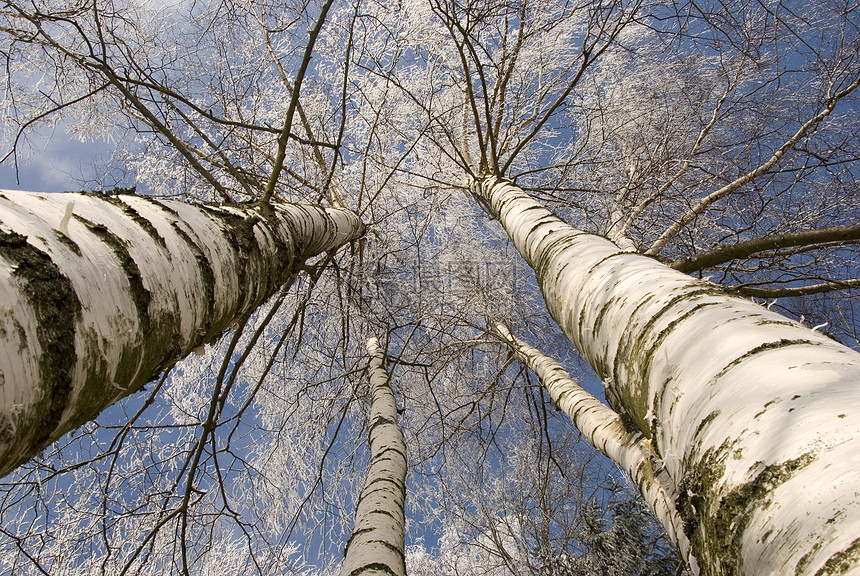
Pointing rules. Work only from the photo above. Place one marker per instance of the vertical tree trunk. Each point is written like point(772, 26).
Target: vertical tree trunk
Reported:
point(101, 293)
point(378, 538)
point(755, 417)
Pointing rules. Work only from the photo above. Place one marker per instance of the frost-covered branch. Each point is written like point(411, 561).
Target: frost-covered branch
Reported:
point(284, 136)
point(750, 176)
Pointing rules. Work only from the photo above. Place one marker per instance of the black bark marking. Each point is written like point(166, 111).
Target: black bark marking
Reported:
point(605, 259)
point(391, 449)
point(161, 205)
point(636, 352)
point(781, 343)
point(355, 533)
point(379, 421)
point(136, 217)
point(139, 293)
point(69, 243)
point(374, 566)
point(53, 299)
point(239, 228)
point(842, 562)
point(207, 278)
point(716, 527)
point(240, 236)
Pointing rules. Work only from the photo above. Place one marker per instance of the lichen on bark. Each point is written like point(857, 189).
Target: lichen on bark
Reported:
point(57, 308)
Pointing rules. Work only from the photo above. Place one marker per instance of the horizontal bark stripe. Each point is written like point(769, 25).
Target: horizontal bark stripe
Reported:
point(56, 310)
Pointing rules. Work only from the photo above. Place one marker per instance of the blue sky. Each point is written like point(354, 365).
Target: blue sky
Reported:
point(52, 161)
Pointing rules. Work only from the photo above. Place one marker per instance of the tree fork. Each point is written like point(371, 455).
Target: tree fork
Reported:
point(100, 294)
point(756, 418)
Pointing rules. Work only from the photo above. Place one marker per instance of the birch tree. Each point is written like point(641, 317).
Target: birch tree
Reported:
point(621, 117)
point(736, 497)
point(748, 506)
point(378, 539)
point(604, 429)
point(106, 292)
point(205, 103)
point(723, 122)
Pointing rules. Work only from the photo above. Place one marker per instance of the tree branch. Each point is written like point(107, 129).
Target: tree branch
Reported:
point(738, 183)
point(294, 99)
point(797, 290)
point(721, 254)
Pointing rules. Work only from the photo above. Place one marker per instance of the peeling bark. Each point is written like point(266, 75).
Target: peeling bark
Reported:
point(100, 294)
point(378, 538)
point(756, 418)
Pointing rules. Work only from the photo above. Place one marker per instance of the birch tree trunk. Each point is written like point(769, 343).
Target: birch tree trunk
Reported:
point(101, 293)
point(378, 538)
point(604, 429)
point(755, 418)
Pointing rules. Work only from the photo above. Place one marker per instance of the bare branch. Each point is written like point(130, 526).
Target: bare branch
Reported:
point(294, 99)
point(796, 290)
point(739, 183)
point(722, 254)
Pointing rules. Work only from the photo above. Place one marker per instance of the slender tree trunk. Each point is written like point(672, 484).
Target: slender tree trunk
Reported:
point(755, 418)
point(604, 429)
point(378, 538)
point(101, 293)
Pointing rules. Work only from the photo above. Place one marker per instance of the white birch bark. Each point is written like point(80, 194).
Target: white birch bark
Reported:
point(756, 418)
point(617, 234)
point(378, 538)
point(99, 294)
point(605, 430)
